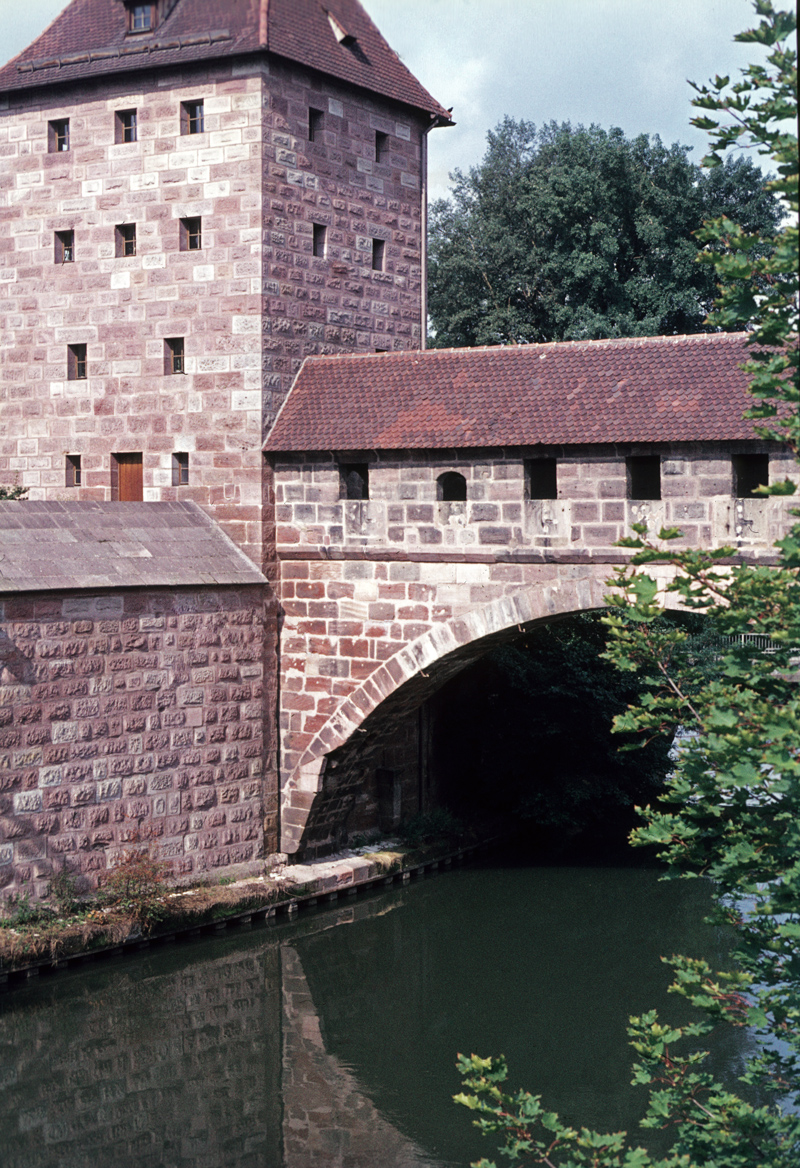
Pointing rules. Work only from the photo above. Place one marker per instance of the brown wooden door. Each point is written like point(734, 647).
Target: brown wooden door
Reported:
point(127, 469)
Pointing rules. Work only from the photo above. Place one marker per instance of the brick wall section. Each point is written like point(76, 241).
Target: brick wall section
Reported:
point(251, 304)
point(128, 711)
point(374, 592)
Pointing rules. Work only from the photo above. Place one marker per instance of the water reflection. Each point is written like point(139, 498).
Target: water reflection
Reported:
point(331, 1042)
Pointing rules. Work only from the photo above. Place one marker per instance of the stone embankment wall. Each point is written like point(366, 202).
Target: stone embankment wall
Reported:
point(137, 714)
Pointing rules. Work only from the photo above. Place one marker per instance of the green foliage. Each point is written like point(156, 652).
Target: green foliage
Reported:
point(20, 912)
point(137, 887)
point(15, 492)
point(64, 891)
point(568, 233)
point(731, 810)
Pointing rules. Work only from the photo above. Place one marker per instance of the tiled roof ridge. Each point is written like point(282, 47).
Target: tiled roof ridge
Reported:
point(599, 342)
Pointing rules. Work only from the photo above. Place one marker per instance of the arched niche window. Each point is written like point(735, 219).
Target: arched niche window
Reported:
point(451, 487)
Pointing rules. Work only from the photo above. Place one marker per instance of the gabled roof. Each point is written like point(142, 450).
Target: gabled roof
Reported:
point(48, 546)
point(652, 389)
point(89, 39)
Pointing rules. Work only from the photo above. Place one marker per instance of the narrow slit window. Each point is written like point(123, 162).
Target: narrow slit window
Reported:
point(125, 240)
point(750, 471)
point(644, 477)
point(354, 480)
point(73, 470)
point(451, 487)
point(58, 136)
point(192, 117)
point(180, 469)
point(378, 254)
point(125, 126)
point(316, 124)
point(320, 233)
point(541, 478)
point(381, 146)
point(173, 355)
point(76, 362)
point(191, 234)
point(64, 247)
point(127, 478)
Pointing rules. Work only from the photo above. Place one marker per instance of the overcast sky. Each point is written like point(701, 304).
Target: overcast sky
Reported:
point(613, 62)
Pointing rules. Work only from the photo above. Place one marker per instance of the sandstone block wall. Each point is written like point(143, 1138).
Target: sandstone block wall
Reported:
point(337, 302)
point(251, 303)
point(123, 307)
point(134, 713)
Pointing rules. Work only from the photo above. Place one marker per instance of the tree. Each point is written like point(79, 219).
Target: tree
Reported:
point(731, 810)
point(15, 492)
point(569, 233)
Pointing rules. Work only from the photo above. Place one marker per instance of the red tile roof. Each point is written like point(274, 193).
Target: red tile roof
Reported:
point(89, 39)
point(653, 389)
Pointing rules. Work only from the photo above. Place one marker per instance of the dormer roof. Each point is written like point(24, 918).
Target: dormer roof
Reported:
point(91, 38)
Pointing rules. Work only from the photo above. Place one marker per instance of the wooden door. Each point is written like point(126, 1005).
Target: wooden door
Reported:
point(127, 470)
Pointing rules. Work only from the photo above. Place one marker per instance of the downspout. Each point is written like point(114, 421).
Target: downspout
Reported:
point(423, 267)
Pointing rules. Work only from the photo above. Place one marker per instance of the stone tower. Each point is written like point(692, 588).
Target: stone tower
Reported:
point(195, 195)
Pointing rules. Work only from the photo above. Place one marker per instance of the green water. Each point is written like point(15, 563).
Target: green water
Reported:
point(331, 1042)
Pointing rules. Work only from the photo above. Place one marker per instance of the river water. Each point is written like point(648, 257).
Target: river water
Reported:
point(331, 1042)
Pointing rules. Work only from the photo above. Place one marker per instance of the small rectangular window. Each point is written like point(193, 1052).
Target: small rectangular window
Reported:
point(64, 247)
point(173, 355)
point(76, 362)
point(180, 470)
point(316, 122)
point(378, 253)
point(354, 480)
point(541, 478)
point(127, 478)
point(125, 126)
point(644, 476)
point(320, 233)
point(141, 17)
point(125, 239)
point(191, 234)
point(381, 146)
point(73, 470)
point(192, 120)
point(58, 136)
point(750, 471)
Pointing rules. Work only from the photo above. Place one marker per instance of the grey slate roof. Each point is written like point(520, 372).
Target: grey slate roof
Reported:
point(48, 546)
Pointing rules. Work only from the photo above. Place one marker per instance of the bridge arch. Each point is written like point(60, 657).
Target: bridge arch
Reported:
point(316, 791)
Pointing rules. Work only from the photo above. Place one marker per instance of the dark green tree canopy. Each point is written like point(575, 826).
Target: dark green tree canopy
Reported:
point(569, 233)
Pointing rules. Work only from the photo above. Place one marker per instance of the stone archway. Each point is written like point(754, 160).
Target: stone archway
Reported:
point(314, 793)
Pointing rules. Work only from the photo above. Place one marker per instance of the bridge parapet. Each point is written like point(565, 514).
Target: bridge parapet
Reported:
point(579, 501)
